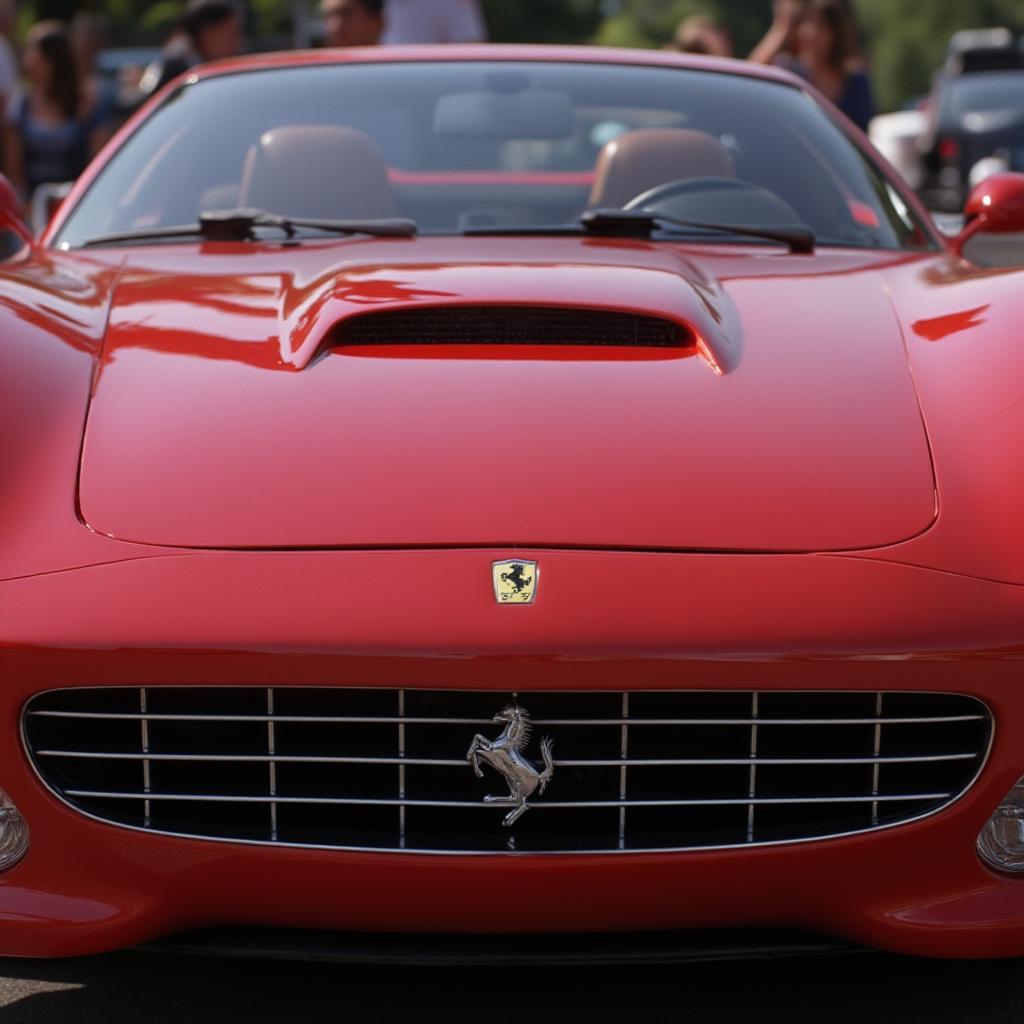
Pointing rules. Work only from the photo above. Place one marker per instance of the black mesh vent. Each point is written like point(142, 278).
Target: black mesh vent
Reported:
point(387, 769)
point(511, 325)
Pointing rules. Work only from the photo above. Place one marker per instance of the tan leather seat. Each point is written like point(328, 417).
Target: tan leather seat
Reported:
point(636, 161)
point(315, 170)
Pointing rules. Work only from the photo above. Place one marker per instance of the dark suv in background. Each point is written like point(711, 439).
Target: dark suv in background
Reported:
point(976, 116)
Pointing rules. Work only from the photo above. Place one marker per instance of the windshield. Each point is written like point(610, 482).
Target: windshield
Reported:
point(472, 145)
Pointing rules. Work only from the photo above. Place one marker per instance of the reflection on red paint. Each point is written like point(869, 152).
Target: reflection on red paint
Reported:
point(938, 327)
point(26, 904)
point(364, 289)
point(863, 214)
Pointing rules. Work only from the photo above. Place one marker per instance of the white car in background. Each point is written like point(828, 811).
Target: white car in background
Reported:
point(896, 137)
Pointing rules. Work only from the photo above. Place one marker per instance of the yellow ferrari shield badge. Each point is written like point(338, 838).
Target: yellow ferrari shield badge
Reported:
point(515, 582)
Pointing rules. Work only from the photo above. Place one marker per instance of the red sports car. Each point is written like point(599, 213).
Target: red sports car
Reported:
point(557, 493)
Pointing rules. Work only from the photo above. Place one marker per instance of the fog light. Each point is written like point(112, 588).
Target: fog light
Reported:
point(1001, 842)
point(13, 833)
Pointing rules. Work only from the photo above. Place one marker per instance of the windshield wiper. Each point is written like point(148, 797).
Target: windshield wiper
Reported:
point(629, 223)
point(237, 226)
point(632, 222)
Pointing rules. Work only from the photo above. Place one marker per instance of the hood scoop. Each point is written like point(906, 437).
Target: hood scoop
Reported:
point(512, 325)
point(585, 305)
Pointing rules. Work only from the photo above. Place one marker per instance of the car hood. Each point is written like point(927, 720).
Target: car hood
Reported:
point(230, 411)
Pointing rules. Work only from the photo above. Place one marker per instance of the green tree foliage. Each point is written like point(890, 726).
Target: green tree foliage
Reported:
point(542, 21)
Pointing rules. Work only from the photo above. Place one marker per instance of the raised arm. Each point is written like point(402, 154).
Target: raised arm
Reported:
point(778, 38)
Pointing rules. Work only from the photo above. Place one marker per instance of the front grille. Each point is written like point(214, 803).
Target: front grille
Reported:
point(386, 769)
point(510, 325)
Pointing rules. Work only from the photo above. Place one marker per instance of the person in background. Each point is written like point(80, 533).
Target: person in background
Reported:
point(8, 58)
point(209, 30)
point(53, 129)
point(352, 22)
point(702, 34)
point(818, 40)
point(433, 21)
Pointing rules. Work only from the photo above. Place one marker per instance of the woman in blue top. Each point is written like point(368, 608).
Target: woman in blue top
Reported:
point(53, 129)
point(817, 40)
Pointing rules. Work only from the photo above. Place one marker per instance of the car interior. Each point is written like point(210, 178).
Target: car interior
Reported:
point(511, 156)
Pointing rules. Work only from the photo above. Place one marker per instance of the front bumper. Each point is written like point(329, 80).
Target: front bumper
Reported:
point(428, 619)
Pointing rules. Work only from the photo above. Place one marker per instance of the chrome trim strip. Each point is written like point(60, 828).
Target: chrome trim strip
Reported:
point(454, 763)
point(256, 758)
point(271, 744)
point(623, 756)
point(876, 773)
point(761, 761)
point(385, 720)
point(401, 768)
point(145, 749)
point(564, 805)
point(752, 777)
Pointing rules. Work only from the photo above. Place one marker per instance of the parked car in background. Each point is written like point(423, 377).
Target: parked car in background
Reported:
point(897, 136)
point(983, 49)
point(975, 128)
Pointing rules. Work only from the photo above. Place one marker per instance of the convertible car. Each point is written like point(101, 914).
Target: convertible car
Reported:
point(453, 495)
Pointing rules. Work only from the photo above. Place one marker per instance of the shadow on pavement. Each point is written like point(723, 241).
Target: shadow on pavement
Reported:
point(156, 988)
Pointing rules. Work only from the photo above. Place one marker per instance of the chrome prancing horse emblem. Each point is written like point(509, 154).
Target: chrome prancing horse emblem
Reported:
point(505, 754)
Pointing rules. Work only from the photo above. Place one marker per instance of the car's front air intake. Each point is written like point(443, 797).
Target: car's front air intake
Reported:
point(511, 325)
point(386, 769)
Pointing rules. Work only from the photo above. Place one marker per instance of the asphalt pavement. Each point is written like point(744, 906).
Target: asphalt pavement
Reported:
point(150, 988)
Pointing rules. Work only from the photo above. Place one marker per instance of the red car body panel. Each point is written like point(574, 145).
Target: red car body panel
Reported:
point(929, 595)
point(418, 438)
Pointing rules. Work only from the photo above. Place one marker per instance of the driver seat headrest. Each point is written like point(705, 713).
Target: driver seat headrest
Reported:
point(636, 161)
point(318, 170)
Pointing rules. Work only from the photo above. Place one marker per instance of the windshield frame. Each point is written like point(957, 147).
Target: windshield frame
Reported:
point(596, 57)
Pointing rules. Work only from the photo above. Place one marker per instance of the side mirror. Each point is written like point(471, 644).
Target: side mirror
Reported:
point(996, 206)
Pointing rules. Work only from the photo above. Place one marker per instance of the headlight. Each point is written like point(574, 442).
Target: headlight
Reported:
point(13, 833)
point(1001, 842)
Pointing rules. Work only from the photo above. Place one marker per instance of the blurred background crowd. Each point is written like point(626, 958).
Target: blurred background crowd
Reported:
point(939, 84)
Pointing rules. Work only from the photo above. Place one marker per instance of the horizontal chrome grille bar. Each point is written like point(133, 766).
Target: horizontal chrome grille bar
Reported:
point(628, 762)
point(563, 805)
point(537, 723)
point(387, 769)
